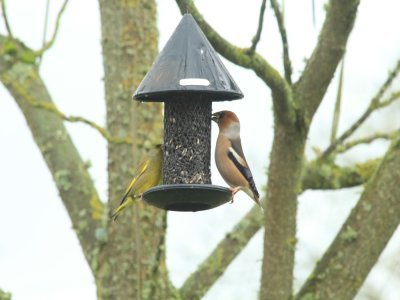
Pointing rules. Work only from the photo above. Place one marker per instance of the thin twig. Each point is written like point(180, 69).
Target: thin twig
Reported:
point(313, 12)
point(46, 22)
point(392, 75)
point(50, 43)
point(367, 140)
point(256, 38)
point(3, 9)
point(101, 130)
point(389, 100)
point(78, 119)
point(281, 25)
point(374, 105)
point(336, 114)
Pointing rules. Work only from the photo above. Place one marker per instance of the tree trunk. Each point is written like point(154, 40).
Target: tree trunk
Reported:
point(284, 184)
point(132, 263)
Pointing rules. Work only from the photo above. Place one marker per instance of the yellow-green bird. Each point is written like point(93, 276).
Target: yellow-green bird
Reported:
point(147, 175)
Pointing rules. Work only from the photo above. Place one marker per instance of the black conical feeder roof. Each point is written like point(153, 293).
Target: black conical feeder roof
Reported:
point(187, 55)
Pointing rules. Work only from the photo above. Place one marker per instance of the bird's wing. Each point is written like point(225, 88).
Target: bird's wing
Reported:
point(239, 163)
point(139, 172)
point(237, 150)
point(243, 168)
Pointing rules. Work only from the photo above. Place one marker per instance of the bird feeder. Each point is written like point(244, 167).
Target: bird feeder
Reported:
point(187, 76)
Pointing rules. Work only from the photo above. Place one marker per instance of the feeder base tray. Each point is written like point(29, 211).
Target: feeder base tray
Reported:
point(187, 197)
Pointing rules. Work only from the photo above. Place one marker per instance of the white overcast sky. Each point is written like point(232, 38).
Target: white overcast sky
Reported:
point(40, 257)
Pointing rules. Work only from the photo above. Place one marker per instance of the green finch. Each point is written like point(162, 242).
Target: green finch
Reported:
point(146, 176)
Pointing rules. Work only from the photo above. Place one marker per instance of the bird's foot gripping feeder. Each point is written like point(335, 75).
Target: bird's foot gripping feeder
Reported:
point(187, 75)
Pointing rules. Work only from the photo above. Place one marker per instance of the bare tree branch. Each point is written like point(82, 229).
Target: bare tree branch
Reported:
point(45, 25)
point(313, 12)
point(321, 66)
point(373, 107)
point(51, 107)
point(216, 263)
point(46, 22)
point(69, 172)
point(364, 235)
point(50, 43)
point(283, 102)
point(389, 100)
point(285, 45)
point(336, 113)
point(8, 27)
point(375, 104)
point(367, 140)
point(256, 38)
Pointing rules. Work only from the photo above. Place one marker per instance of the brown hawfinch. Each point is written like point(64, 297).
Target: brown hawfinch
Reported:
point(229, 158)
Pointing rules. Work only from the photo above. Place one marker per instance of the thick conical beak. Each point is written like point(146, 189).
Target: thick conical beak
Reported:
point(215, 117)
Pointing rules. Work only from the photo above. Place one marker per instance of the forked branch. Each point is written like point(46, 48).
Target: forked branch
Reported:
point(375, 104)
point(50, 43)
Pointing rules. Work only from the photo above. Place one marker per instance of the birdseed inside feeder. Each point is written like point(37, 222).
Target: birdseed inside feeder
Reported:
point(187, 76)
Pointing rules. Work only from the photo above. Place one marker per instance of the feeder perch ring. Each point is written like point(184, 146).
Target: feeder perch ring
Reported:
point(187, 197)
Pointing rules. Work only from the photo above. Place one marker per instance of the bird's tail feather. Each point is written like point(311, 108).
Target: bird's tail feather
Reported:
point(256, 195)
point(253, 193)
point(126, 201)
point(257, 200)
point(120, 208)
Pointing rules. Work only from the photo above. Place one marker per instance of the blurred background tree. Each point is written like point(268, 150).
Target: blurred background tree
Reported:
point(128, 258)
